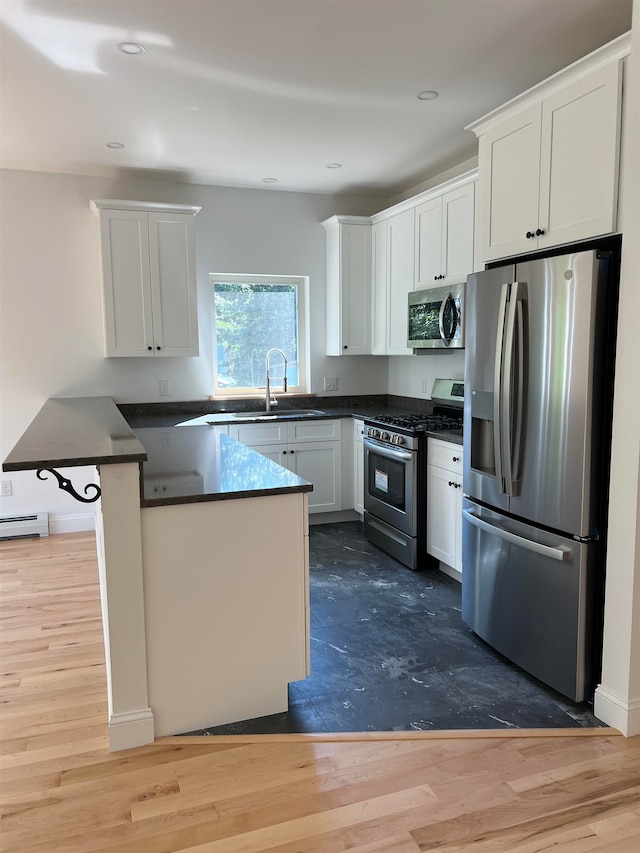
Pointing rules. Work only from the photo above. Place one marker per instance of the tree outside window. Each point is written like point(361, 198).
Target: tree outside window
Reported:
point(252, 315)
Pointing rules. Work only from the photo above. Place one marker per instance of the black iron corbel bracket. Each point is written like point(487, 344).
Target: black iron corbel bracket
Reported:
point(66, 486)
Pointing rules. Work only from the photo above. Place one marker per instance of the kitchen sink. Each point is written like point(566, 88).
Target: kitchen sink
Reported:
point(275, 414)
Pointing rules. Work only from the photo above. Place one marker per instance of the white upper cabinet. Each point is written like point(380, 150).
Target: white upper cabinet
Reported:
point(548, 161)
point(444, 237)
point(348, 244)
point(392, 264)
point(147, 254)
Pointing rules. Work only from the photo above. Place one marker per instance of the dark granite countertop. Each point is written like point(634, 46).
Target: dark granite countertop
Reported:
point(74, 431)
point(199, 464)
point(200, 412)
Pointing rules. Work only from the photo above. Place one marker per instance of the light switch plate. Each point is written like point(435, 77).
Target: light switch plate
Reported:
point(165, 388)
point(330, 383)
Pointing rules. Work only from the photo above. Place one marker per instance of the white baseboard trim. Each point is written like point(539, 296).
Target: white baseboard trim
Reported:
point(72, 523)
point(617, 711)
point(135, 728)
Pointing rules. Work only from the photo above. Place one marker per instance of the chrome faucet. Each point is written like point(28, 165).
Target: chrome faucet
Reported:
point(268, 402)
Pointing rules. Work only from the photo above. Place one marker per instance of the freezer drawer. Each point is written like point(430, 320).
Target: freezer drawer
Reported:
point(529, 594)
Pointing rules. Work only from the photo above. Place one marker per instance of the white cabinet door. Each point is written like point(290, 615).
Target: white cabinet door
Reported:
point(319, 463)
point(148, 279)
point(458, 218)
point(379, 288)
point(311, 449)
point(173, 284)
point(549, 175)
point(508, 182)
point(126, 279)
point(401, 260)
point(441, 514)
point(579, 163)
point(358, 466)
point(348, 287)
point(444, 237)
point(429, 240)
point(444, 502)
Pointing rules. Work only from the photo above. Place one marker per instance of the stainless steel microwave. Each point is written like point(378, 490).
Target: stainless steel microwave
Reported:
point(436, 318)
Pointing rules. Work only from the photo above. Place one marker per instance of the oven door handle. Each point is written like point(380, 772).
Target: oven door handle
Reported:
point(388, 452)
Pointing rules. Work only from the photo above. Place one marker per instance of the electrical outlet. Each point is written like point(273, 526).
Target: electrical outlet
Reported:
point(165, 388)
point(424, 384)
point(330, 383)
point(7, 489)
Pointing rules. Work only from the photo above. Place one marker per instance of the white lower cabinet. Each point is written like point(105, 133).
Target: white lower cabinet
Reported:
point(311, 449)
point(444, 502)
point(358, 466)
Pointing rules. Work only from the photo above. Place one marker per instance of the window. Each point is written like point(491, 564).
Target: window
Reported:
point(253, 314)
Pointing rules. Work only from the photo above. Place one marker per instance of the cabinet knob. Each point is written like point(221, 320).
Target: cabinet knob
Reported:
point(456, 458)
point(530, 234)
point(292, 452)
point(539, 232)
point(451, 483)
point(345, 347)
point(158, 347)
point(284, 452)
point(149, 348)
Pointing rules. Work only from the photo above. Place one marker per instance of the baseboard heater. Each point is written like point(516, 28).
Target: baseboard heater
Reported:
point(19, 526)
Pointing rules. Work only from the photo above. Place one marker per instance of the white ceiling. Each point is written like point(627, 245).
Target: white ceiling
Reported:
point(229, 92)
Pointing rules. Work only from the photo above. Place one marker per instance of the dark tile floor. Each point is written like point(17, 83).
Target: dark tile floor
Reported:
point(389, 652)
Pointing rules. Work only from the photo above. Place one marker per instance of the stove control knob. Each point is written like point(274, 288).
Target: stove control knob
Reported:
point(397, 439)
point(373, 433)
point(384, 436)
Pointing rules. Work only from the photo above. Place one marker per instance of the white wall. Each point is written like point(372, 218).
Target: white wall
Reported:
point(51, 339)
point(408, 374)
point(617, 700)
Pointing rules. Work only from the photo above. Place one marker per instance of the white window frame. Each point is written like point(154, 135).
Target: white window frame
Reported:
point(301, 283)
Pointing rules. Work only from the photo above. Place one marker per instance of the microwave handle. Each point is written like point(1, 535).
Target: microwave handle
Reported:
point(443, 305)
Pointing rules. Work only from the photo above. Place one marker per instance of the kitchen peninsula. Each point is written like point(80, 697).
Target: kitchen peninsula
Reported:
point(203, 561)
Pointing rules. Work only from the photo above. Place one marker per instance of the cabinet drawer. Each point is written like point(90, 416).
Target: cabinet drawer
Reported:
point(445, 455)
point(313, 430)
point(253, 434)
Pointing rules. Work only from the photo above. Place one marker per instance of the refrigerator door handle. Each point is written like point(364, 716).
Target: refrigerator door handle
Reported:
point(513, 387)
point(498, 389)
point(520, 394)
point(554, 553)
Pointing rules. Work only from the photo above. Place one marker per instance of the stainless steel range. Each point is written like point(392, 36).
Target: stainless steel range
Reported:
point(395, 473)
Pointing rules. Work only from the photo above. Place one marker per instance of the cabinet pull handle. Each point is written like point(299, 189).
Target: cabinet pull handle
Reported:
point(539, 232)
point(451, 483)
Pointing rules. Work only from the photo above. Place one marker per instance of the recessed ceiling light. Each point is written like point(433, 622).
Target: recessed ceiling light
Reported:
point(269, 180)
point(115, 145)
point(427, 95)
point(131, 47)
point(334, 165)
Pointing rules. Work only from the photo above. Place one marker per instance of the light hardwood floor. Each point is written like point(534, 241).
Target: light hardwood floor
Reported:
point(61, 789)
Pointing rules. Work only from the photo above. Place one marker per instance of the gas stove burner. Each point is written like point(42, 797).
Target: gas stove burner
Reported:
point(418, 423)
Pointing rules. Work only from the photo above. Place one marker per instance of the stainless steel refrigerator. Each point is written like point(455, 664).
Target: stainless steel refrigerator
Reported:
point(538, 374)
